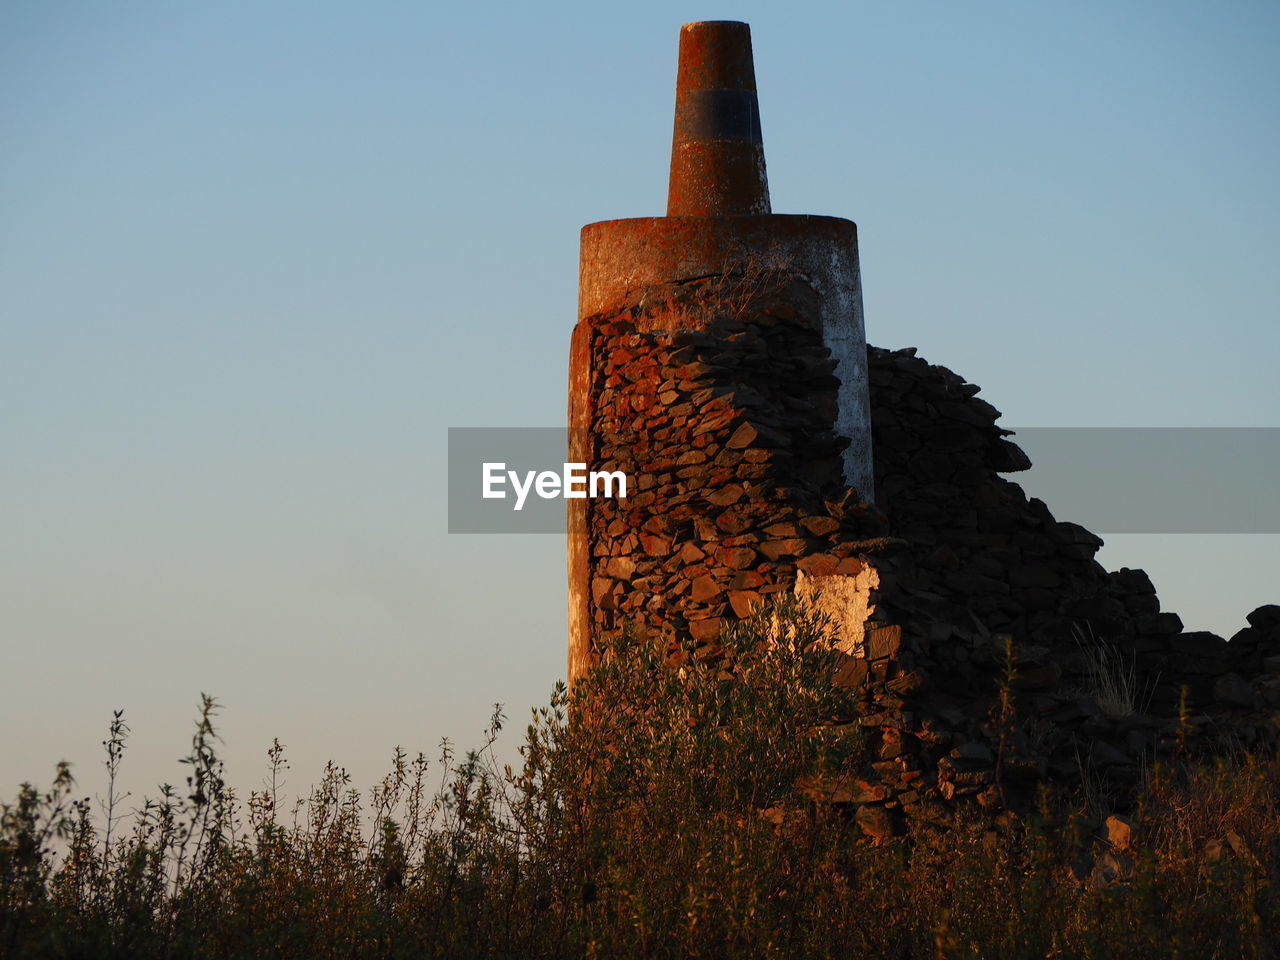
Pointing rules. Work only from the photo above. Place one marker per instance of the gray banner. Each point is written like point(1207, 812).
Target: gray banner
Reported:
point(519, 450)
point(1156, 479)
point(1108, 479)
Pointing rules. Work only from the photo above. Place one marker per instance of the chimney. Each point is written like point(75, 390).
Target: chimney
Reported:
point(717, 152)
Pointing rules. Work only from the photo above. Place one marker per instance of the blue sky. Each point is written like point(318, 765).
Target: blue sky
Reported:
point(255, 259)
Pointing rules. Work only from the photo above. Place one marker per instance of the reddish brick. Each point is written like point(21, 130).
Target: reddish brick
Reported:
point(704, 588)
point(744, 602)
point(736, 558)
point(818, 565)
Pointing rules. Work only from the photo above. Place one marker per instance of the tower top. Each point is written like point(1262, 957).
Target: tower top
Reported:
point(717, 151)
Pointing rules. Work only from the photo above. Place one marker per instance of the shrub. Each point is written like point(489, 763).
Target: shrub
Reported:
point(654, 814)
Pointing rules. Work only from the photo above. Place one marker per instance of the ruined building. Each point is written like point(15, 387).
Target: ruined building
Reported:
point(719, 360)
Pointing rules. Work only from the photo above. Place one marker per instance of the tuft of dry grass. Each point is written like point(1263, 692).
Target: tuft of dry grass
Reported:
point(1112, 677)
point(745, 281)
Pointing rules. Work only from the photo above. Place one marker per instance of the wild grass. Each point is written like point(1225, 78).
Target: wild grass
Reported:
point(653, 814)
point(1112, 677)
point(745, 281)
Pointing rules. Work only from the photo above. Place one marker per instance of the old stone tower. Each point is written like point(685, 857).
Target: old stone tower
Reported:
point(676, 376)
point(719, 360)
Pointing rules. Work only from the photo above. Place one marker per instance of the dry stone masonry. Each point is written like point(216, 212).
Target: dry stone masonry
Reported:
point(719, 362)
point(727, 429)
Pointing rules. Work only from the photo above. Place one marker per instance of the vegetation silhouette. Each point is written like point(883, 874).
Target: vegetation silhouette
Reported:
point(655, 813)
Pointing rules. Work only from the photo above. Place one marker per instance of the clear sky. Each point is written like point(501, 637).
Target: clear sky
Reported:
point(256, 258)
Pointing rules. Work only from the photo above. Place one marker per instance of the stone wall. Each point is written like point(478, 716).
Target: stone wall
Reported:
point(725, 426)
point(720, 403)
